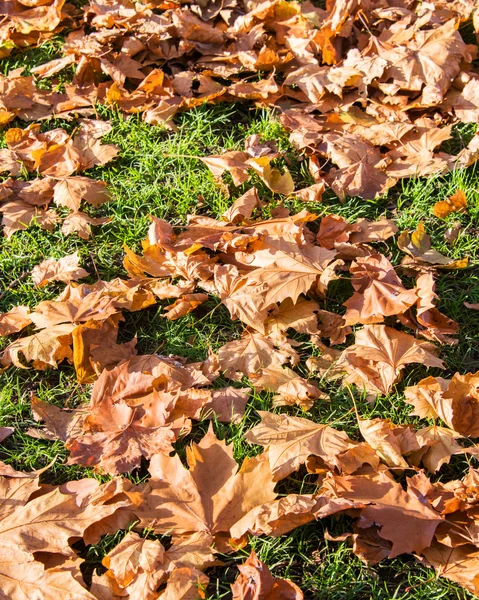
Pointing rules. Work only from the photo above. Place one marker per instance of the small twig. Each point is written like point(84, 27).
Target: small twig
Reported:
point(13, 284)
point(94, 265)
point(412, 587)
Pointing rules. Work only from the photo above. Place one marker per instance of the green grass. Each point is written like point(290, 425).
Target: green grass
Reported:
point(151, 178)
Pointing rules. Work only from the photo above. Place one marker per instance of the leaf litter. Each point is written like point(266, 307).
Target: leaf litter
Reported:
point(368, 92)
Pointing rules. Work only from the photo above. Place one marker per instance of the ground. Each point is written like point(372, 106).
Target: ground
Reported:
point(157, 174)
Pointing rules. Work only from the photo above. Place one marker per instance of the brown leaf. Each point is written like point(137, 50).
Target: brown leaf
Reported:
point(79, 222)
point(361, 169)
point(290, 388)
point(286, 270)
point(38, 527)
point(455, 203)
point(455, 401)
point(186, 583)
point(438, 325)
point(95, 348)
point(65, 269)
point(242, 209)
point(184, 305)
point(96, 306)
point(30, 579)
point(70, 191)
point(58, 423)
point(460, 565)
point(404, 518)
point(14, 320)
point(389, 441)
point(291, 440)
point(47, 347)
point(300, 316)
point(333, 229)
point(379, 355)
point(418, 246)
point(312, 193)
point(136, 568)
point(256, 581)
point(438, 445)
point(378, 292)
point(471, 306)
point(250, 355)
point(211, 496)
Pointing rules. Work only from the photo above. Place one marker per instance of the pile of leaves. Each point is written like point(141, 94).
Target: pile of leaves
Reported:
point(369, 91)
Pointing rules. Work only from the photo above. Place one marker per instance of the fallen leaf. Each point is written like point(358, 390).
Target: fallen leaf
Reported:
point(209, 497)
point(256, 581)
point(455, 401)
point(65, 269)
point(378, 291)
point(455, 203)
point(379, 355)
point(14, 320)
point(418, 246)
point(406, 520)
point(457, 564)
point(291, 440)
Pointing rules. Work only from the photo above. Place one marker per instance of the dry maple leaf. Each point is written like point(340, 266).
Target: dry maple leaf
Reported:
point(23, 203)
point(286, 270)
point(290, 388)
point(281, 516)
point(251, 354)
point(438, 326)
point(334, 229)
point(59, 423)
point(427, 64)
point(301, 316)
point(138, 566)
point(243, 207)
point(55, 154)
point(291, 440)
point(95, 306)
point(44, 523)
point(256, 581)
point(209, 497)
point(45, 348)
point(138, 408)
point(14, 320)
point(70, 191)
point(455, 401)
point(65, 269)
point(378, 291)
point(389, 441)
point(95, 348)
point(361, 169)
point(312, 193)
point(80, 223)
point(184, 306)
point(438, 444)
point(418, 246)
point(460, 565)
point(114, 440)
point(379, 355)
point(405, 519)
point(455, 203)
